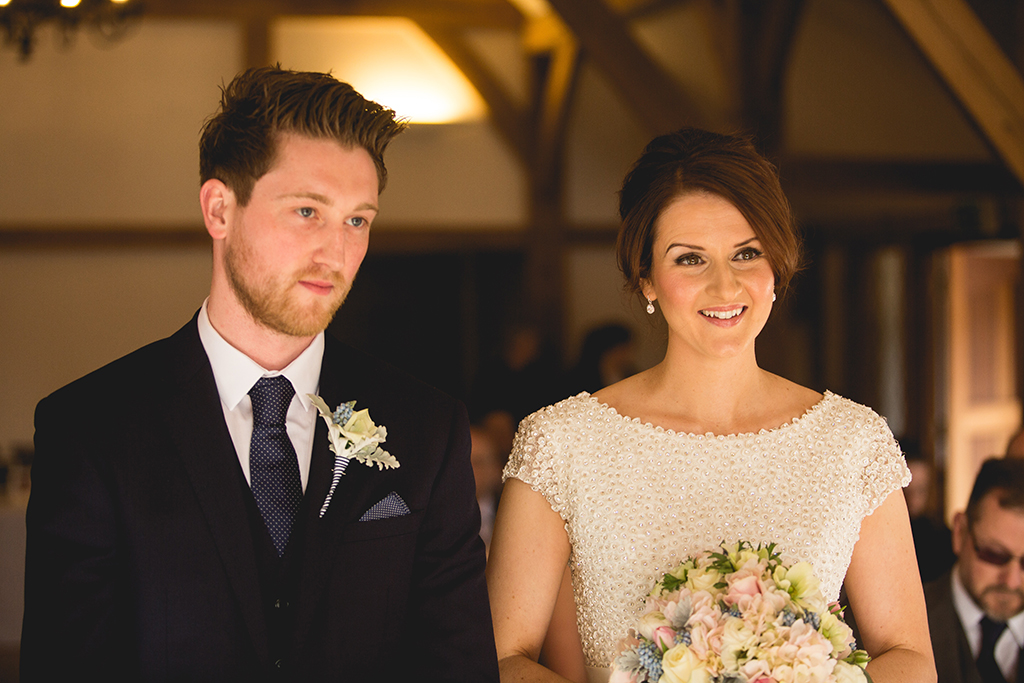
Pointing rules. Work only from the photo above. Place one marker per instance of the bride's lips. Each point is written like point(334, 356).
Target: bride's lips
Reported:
point(723, 316)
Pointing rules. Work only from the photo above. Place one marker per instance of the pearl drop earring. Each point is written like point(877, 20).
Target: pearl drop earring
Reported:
point(650, 307)
point(773, 297)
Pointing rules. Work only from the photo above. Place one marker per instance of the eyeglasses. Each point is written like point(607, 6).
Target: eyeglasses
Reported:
point(997, 558)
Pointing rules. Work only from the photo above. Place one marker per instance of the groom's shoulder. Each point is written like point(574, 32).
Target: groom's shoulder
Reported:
point(137, 372)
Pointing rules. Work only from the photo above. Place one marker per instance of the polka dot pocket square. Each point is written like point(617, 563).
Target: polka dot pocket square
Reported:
point(390, 506)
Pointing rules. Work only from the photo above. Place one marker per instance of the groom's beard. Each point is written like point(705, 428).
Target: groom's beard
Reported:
point(279, 302)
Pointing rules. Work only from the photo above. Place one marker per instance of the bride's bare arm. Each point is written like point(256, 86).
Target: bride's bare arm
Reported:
point(884, 588)
point(529, 551)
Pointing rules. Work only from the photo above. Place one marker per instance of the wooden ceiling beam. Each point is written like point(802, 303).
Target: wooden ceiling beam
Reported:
point(653, 94)
point(846, 175)
point(553, 115)
point(482, 13)
point(765, 37)
point(973, 66)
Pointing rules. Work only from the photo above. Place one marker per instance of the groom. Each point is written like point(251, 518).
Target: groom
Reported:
point(188, 520)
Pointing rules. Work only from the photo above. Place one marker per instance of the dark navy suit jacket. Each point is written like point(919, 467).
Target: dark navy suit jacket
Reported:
point(140, 561)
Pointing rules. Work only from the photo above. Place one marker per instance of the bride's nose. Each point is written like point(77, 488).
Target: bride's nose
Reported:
point(723, 282)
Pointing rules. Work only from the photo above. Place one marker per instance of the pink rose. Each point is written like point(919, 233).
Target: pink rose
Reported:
point(748, 585)
point(663, 637)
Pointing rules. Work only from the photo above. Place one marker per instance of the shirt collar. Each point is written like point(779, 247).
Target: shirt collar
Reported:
point(971, 614)
point(235, 373)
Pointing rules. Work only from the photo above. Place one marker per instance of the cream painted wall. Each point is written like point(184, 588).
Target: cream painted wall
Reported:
point(602, 142)
point(109, 135)
point(859, 88)
point(68, 311)
point(454, 176)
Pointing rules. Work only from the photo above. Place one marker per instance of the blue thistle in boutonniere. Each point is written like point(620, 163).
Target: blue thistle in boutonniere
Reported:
point(353, 435)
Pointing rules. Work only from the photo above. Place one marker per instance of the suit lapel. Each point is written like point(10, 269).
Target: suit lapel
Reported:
point(347, 503)
point(201, 438)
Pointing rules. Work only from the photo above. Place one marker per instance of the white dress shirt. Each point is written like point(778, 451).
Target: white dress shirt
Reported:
point(236, 373)
point(1010, 642)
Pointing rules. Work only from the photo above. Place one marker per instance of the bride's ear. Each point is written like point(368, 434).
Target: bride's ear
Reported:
point(647, 290)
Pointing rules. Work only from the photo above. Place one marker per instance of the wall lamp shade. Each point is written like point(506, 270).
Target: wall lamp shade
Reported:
point(389, 60)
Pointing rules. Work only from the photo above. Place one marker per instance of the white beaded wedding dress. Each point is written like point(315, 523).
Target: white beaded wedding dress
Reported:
point(637, 499)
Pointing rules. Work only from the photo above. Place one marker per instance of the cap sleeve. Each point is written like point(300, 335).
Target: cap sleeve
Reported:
point(886, 469)
point(533, 460)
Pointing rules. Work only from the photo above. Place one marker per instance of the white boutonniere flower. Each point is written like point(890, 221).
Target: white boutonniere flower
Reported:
point(353, 435)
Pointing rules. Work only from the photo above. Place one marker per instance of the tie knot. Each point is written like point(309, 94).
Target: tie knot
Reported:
point(991, 630)
point(270, 399)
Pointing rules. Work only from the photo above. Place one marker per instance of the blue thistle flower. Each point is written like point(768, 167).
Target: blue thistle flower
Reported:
point(650, 659)
point(788, 617)
point(343, 413)
point(813, 619)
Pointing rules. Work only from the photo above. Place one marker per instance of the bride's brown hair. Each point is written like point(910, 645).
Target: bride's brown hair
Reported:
point(695, 161)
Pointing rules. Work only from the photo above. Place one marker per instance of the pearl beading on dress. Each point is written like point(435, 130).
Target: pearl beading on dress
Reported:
point(637, 499)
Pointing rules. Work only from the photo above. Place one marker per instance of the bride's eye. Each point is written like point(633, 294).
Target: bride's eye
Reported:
point(748, 254)
point(306, 211)
point(689, 260)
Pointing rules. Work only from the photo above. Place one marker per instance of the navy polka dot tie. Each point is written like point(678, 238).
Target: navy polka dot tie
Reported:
point(273, 467)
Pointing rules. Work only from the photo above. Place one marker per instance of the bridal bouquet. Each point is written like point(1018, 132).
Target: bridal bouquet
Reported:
point(740, 616)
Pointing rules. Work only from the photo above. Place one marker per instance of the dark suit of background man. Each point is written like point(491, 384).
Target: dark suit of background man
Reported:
point(153, 554)
point(976, 610)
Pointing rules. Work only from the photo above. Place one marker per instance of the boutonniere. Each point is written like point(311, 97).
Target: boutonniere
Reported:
point(353, 435)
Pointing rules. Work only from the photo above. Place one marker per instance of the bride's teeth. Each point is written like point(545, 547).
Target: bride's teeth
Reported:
point(723, 315)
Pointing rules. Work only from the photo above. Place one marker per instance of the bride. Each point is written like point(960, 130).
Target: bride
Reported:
point(705, 447)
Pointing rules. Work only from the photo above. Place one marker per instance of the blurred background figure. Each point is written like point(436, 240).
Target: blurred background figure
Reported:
point(932, 538)
point(976, 611)
point(606, 357)
point(524, 376)
point(488, 462)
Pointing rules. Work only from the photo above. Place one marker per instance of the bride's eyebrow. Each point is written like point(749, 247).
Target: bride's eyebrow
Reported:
point(680, 245)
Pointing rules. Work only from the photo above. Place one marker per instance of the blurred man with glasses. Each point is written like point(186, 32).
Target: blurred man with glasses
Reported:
point(976, 611)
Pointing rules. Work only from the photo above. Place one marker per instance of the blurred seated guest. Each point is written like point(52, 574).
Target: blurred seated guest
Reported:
point(933, 541)
point(524, 376)
point(1015, 449)
point(976, 611)
point(487, 463)
point(606, 357)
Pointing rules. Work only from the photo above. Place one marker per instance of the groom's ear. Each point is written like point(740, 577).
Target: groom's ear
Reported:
point(218, 204)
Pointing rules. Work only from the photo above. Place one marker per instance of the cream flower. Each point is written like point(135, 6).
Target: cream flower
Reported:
point(681, 665)
point(848, 673)
point(801, 583)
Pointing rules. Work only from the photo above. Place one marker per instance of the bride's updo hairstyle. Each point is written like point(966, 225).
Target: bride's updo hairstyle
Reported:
point(694, 161)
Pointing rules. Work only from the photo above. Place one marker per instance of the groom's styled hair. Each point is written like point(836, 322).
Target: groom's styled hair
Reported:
point(239, 143)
